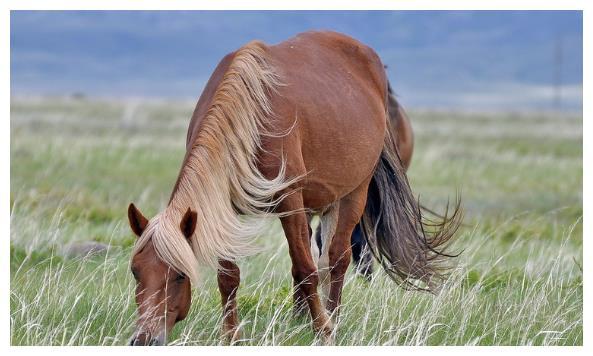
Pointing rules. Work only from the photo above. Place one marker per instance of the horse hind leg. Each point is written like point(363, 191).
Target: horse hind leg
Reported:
point(350, 210)
point(304, 271)
point(315, 241)
point(365, 265)
point(361, 254)
point(328, 224)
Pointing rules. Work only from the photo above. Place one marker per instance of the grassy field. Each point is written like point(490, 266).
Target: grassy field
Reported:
point(77, 164)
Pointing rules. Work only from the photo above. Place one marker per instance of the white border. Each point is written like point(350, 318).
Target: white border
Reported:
point(8, 5)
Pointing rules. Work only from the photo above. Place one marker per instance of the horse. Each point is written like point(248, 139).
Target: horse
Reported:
point(285, 131)
point(404, 139)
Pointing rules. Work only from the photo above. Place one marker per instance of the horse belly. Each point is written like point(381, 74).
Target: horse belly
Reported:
point(339, 155)
point(335, 148)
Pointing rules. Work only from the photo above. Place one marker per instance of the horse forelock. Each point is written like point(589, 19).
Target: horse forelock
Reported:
point(171, 247)
point(219, 179)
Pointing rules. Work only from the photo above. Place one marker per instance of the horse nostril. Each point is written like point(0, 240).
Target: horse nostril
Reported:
point(154, 342)
point(133, 342)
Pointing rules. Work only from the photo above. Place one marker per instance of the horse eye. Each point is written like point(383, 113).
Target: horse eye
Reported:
point(135, 274)
point(180, 277)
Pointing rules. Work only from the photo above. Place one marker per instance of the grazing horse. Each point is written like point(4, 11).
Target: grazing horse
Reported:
point(285, 131)
point(404, 139)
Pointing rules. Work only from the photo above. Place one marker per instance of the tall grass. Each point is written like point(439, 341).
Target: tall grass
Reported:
point(76, 164)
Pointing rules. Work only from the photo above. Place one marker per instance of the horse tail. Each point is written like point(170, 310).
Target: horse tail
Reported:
point(410, 247)
point(400, 128)
point(399, 118)
point(392, 105)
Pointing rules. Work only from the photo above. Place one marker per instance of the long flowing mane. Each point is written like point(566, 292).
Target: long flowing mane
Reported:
point(219, 179)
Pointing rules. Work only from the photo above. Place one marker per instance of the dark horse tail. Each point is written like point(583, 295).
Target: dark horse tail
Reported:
point(410, 247)
point(395, 116)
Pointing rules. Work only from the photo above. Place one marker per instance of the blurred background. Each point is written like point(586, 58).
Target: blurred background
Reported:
point(468, 60)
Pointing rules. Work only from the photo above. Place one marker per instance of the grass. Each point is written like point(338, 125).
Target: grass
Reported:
point(76, 164)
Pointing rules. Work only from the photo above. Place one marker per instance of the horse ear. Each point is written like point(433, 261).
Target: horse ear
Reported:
point(137, 221)
point(188, 223)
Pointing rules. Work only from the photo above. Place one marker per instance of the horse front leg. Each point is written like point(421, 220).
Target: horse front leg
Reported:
point(229, 277)
point(299, 300)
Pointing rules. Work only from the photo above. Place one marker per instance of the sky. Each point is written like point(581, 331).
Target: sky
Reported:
point(473, 60)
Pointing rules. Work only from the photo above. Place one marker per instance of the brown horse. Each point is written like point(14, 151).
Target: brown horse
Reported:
point(285, 131)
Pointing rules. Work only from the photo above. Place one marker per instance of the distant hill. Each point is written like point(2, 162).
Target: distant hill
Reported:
point(488, 60)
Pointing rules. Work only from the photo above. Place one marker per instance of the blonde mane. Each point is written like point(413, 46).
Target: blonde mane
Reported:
point(220, 179)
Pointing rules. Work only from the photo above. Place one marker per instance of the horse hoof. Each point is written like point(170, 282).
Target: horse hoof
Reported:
point(231, 336)
point(327, 336)
point(328, 340)
point(325, 329)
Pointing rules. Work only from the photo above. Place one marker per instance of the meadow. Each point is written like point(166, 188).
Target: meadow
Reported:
point(76, 164)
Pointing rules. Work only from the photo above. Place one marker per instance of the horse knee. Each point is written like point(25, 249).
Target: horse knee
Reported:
point(229, 277)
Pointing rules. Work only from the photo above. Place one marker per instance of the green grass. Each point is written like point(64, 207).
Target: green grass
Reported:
point(76, 164)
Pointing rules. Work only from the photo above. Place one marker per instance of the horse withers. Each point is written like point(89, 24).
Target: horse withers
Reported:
point(284, 131)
